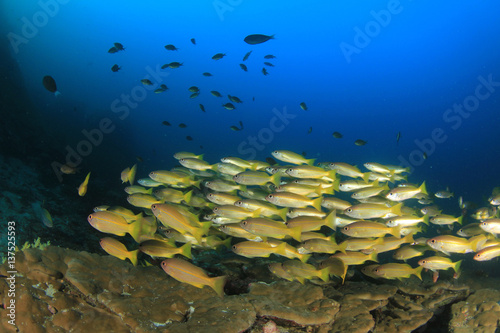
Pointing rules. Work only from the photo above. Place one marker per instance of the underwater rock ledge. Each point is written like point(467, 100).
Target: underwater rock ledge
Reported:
point(61, 290)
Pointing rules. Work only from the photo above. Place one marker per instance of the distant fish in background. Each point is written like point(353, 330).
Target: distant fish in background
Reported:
point(236, 128)
point(68, 169)
point(257, 39)
point(82, 189)
point(202, 107)
point(444, 194)
point(303, 106)
point(269, 56)
point(170, 47)
point(115, 68)
point(50, 84)
point(337, 135)
point(271, 161)
point(244, 67)
point(42, 214)
point(234, 99)
point(218, 56)
point(309, 131)
point(216, 93)
point(229, 106)
point(119, 46)
point(189, 138)
point(207, 74)
point(268, 64)
point(162, 88)
point(146, 82)
point(247, 55)
point(193, 41)
point(360, 142)
point(113, 50)
point(166, 123)
point(182, 125)
point(264, 71)
point(398, 137)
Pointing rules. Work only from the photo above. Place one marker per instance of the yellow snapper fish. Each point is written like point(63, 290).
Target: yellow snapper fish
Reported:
point(240, 162)
point(128, 175)
point(406, 220)
point(404, 193)
point(491, 225)
point(270, 228)
point(137, 189)
point(321, 246)
point(117, 249)
point(173, 217)
point(355, 258)
point(257, 178)
point(196, 164)
point(302, 271)
point(452, 244)
point(287, 199)
point(362, 229)
point(312, 223)
point(291, 157)
point(235, 212)
point(251, 249)
point(112, 223)
point(290, 251)
point(173, 178)
point(410, 251)
point(348, 170)
point(186, 154)
point(397, 271)
point(82, 189)
point(488, 253)
point(160, 249)
point(370, 192)
point(443, 219)
point(353, 185)
point(436, 263)
point(142, 200)
point(277, 269)
point(221, 198)
point(378, 168)
point(311, 172)
point(266, 209)
point(186, 272)
point(368, 210)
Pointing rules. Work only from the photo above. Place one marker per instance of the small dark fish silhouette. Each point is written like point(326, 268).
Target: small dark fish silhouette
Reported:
point(337, 135)
point(207, 74)
point(271, 161)
point(360, 142)
point(50, 84)
point(202, 107)
point(119, 46)
point(113, 50)
point(243, 67)
point(398, 137)
point(115, 68)
point(247, 55)
point(189, 138)
point(269, 56)
point(264, 71)
point(166, 123)
point(257, 39)
point(193, 41)
point(182, 125)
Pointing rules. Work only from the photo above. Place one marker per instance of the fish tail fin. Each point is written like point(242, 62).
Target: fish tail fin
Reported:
point(423, 189)
point(366, 176)
point(373, 256)
point(305, 257)
point(418, 272)
point(276, 178)
point(132, 256)
point(311, 161)
point(316, 203)
point(186, 250)
point(217, 284)
point(150, 191)
point(131, 175)
point(396, 231)
point(457, 265)
point(282, 213)
point(330, 220)
point(409, 239)
point(200, 157)
point(135, 230)
point(342, 247)
point(256, 213)
point(196, 183)
point(460, 220)
point(187, 196)
point(331, 174)
point(296, 233)
point(426, 219)
point(227, 243)
point(324, 274)
point(396, 209)
point(281, 249)
point(335, 185)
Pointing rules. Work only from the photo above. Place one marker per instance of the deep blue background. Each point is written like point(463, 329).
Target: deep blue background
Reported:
point(425, 58)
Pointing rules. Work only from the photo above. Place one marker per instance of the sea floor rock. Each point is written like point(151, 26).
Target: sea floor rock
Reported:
point(60, 290)
point(479, 313)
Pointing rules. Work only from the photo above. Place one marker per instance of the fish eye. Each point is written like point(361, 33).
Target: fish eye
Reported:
point(349, 210)
point(237, 203)
point(216, 209)
point(289, 170)
point(270, 196)
point(233, 247)
point(346, 228)
point(244, 222)
point(153, 206)
point(275, 152)
point(424, 261)
point(433, 241)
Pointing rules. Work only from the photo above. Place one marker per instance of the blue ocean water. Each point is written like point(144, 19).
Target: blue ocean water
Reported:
point(368, 70)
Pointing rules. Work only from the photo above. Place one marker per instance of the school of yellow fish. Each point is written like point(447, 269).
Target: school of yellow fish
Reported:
point(295, 210)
